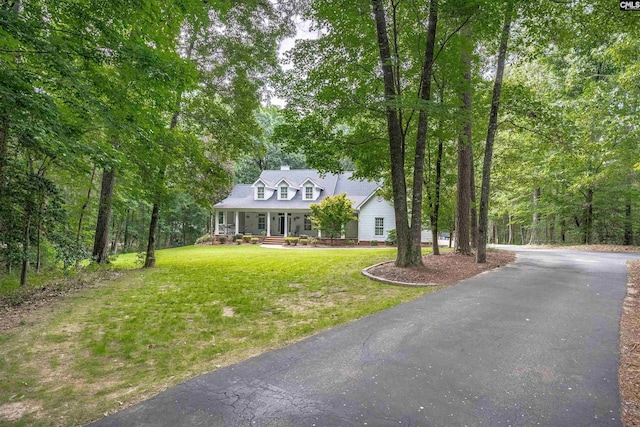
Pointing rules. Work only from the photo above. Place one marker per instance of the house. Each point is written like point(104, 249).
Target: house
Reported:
point(278, 205)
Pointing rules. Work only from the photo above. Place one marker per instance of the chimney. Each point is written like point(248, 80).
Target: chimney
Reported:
point(285, 168)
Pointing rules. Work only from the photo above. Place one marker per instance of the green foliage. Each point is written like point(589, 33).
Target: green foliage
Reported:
point(222, 239)
point(392, 238)
point(332, 215)
point(374, 243)
point(254, 240)
point(205, 239)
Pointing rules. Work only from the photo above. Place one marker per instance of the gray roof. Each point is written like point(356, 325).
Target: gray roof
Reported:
point(241, 196)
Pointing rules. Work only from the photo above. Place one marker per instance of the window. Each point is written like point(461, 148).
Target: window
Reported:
point(284, 192)
point(379, 230)
point(307, 223)
point(260, 192)
point(262, 222)
point(308, 192)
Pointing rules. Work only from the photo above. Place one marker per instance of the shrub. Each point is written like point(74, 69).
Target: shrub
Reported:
point(207, 238)
point(237, 236)
point(247, 238)
point(351, 242)
point(238, 241)
point(222, 239)
point(304, 241)
point(392, 238)
point(291, 240)
point(304, 236)
point(314, 242)
point(374, 243)
point(254, 240)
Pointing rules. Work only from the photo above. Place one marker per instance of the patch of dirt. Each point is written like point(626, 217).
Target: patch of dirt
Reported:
point(13, 411)
point(24, 303)
point(445, 269)
point(629, 368)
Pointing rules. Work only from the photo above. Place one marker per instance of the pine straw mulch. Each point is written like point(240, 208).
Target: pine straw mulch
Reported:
point(445, 269)
point(629, 370)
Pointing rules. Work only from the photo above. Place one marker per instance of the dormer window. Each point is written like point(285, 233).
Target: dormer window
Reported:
point(308, 192)
point(260, 193)
point(284, 192)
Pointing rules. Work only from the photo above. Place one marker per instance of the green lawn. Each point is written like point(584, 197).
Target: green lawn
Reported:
point(201, 308)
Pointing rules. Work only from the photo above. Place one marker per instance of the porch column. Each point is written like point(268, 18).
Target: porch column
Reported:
point(319, 233)
point(237, 222)
point(268, 224)
point(215, 229)
point(286, 224)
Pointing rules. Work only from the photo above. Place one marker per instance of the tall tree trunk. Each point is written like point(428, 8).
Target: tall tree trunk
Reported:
point(587, 222)
point(435, 213)
point(563, 231)
point(481, 254)
point(510, 226)
point(552, 228)
point(535, 220)
point(82, 212)
point(150, 259)
point(628, 226)
point(26, 237)
point(472, 192)
point(127, 239)
point(421, 138)
point(463, 209)
point(396, 151)
point(101, 239)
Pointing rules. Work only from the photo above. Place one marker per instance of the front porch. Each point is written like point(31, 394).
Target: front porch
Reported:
point(267, 223)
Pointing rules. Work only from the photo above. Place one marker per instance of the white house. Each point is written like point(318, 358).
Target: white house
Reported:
point(278, 205)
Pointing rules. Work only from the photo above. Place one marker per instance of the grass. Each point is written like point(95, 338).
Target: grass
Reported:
point(104, 348)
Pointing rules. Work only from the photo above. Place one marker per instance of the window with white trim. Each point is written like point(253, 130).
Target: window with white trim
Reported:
point(379, 228)
point(307, 223)
point(284, 192)
point(308, 192)
point(262, 222)
point(260, 192)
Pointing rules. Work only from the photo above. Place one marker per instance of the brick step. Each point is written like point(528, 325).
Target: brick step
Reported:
point(273, 240)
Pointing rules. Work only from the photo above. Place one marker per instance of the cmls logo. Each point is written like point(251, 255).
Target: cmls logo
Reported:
point(630, 5)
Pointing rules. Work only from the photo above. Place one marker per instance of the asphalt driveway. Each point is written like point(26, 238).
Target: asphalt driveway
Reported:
point(533, 343)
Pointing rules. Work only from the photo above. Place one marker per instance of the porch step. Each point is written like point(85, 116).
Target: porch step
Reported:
point(273, 240)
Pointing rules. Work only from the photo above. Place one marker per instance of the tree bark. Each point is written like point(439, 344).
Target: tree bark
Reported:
point(150, 259)
point(396, 152)
point(481, 254)
point(463, 209)
point(4, 151)
point(628, 226)
point(101, 240)
point(421, 138)
point(472, 199)
point(435, 213)
point(82, 212)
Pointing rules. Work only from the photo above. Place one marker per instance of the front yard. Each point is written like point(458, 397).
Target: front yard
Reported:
point(107, 347)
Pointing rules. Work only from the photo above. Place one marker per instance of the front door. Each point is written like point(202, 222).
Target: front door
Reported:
point(281, 217)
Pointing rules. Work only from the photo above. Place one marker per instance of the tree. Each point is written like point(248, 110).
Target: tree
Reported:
point(483, 221)
point(332, 215)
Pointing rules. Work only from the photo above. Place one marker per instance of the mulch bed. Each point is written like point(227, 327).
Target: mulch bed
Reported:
point(445, 269)
point(629, 371)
